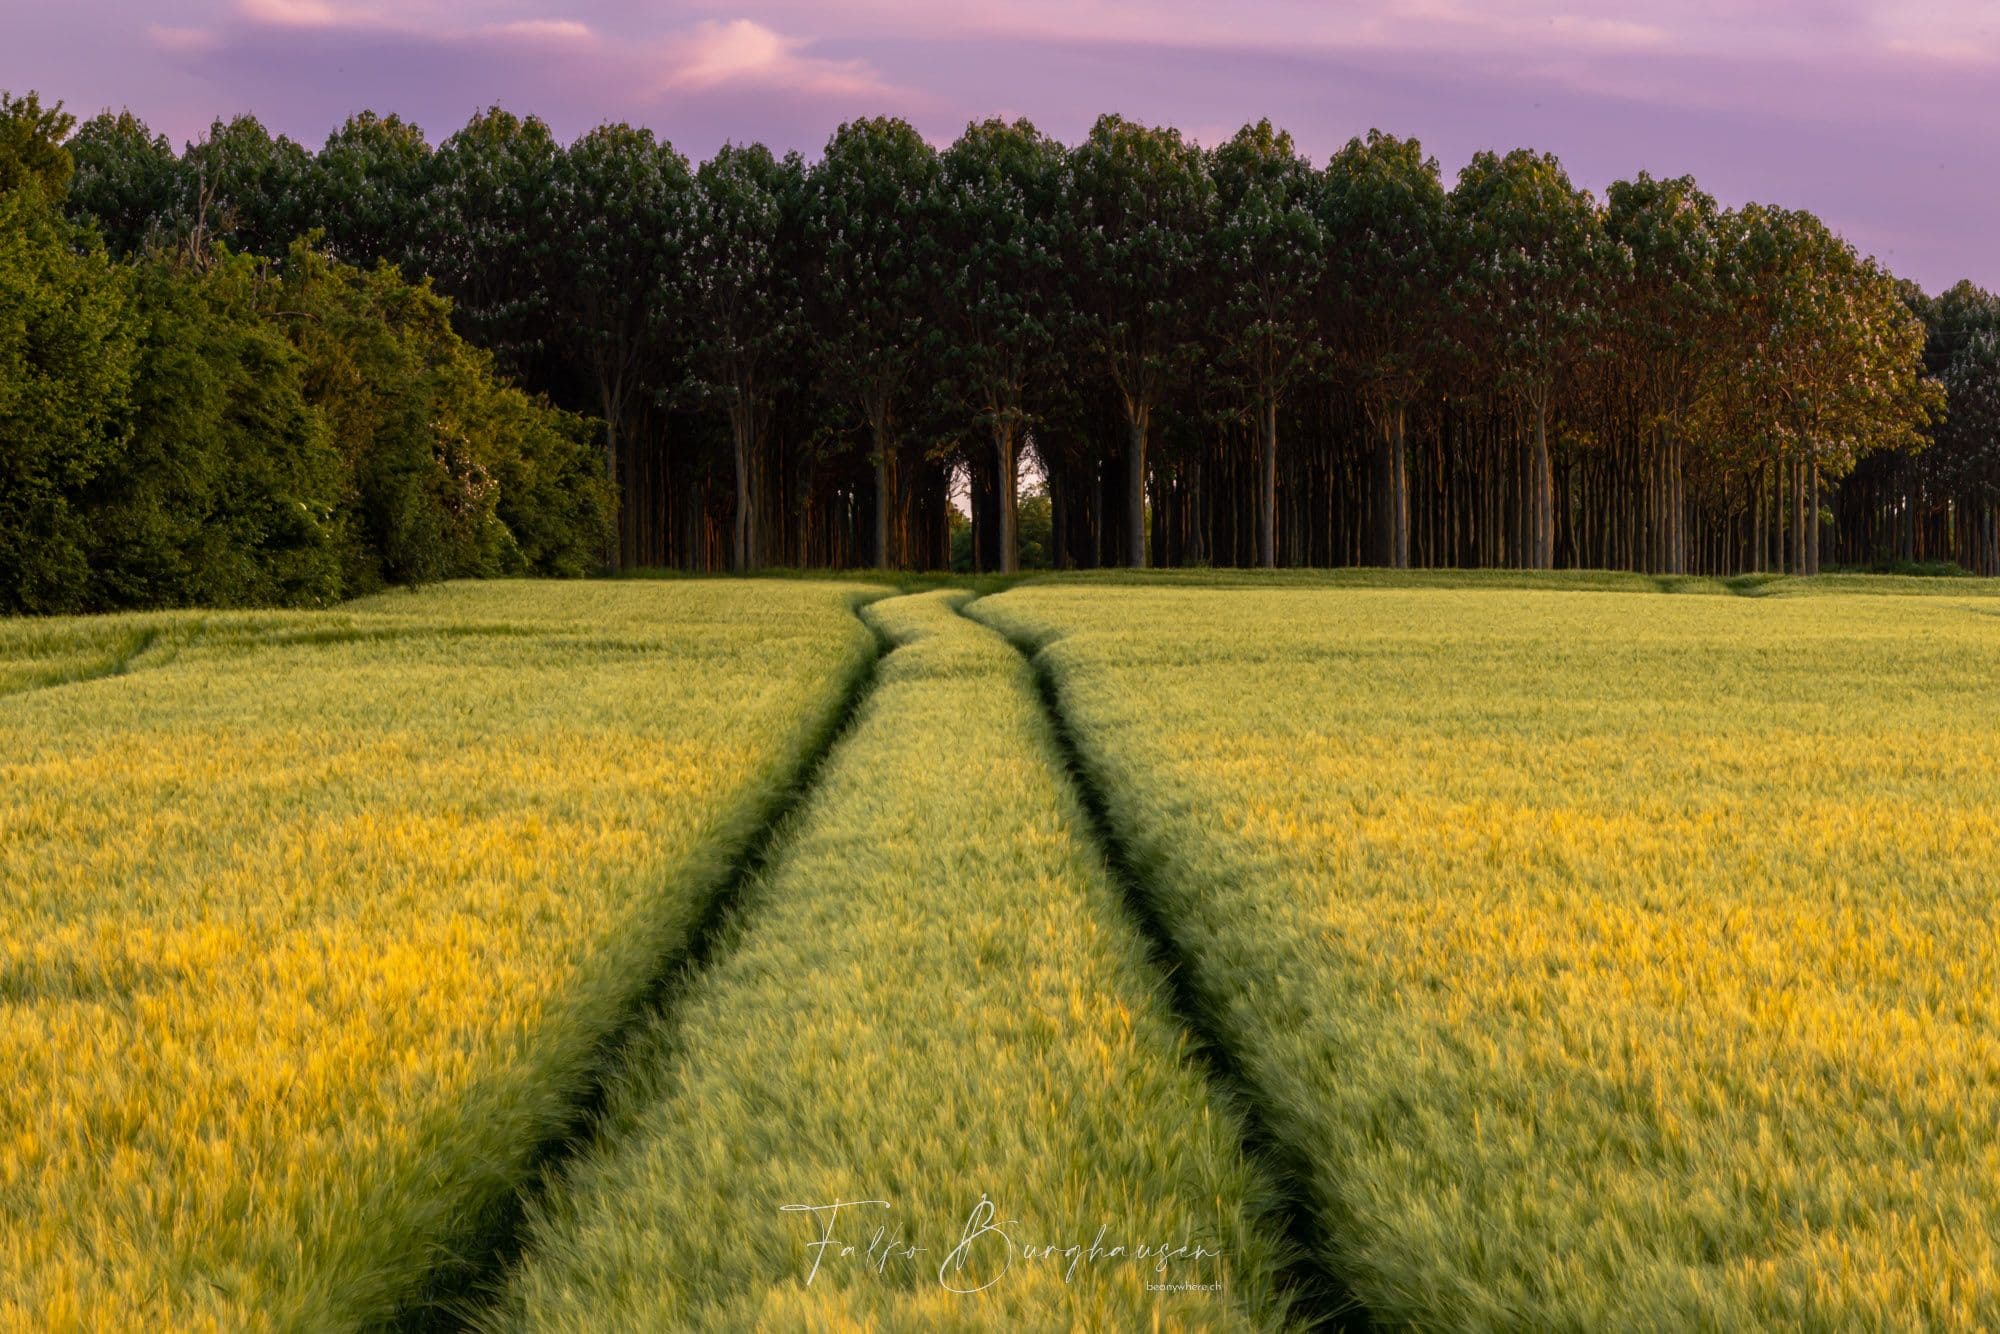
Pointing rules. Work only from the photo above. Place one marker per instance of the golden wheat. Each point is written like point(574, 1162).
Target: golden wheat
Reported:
point(308, 921)
point(1620, 960)
point(934, 996)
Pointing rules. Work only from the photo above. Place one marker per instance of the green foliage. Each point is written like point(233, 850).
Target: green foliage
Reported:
point(66, 369)
point(31, 145)
point(1514, 372)
point(490, 229)
point(1384, 225)
point(228, 488)
point(626, 199)
point(1530, 269)
point(866, 216)
point(1664, 265)
point(740, 300)
point(238, 432)
point(428, 438)
point(1140, 199)
point(997, 264)
point(1268, 253)
point(1969, 436)
point(1833, 364)
point(367, 191)
point(245, 188)
point(128, 184)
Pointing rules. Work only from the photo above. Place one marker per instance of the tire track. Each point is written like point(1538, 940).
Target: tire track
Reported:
point(464, 1282)
point(1319, 1297)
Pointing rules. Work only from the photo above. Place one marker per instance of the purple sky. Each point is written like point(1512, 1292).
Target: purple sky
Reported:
point(1880, 116)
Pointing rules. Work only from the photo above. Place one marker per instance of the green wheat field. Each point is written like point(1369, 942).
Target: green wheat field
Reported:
point(1178, 952)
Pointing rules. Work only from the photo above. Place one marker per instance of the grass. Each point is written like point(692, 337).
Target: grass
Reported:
point(310, 922)
point(1616, 962)
point(934, 994)
point(1897, 579)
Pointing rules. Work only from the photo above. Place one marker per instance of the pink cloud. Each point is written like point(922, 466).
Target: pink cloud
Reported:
point(741, 52)
point(182, 41)
point(551, 30)
point(296, 13)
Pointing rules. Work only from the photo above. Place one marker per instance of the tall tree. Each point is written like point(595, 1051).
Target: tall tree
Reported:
point(1664, 332)
point(248, 188)
point(1834, 369)
point(229, 488)
point(867, 205)
point(491, 228)
point(743, 307)
point(1384, 221)
point(128, 184)
point(1968, 442)
point(1140, 199)
point(997, 260)
point(1527, 288)
point(1268, 252)
point(366, 191)
point(627, 199)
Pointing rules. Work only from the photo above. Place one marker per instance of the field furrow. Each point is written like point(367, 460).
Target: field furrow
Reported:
point(928, 1072)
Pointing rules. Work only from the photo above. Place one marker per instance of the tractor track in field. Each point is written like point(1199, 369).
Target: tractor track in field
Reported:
point(1319, 1298)
point(461, 1288)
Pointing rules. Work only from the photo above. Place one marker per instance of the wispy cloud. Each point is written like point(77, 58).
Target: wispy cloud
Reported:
point(182, 41)
point(301, 13)
point(544, 30)
point(741, 52)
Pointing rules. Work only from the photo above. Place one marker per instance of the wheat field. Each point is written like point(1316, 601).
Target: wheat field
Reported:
point(309, 921)
point(1620, 961)
point(933, 997)
point(1567, 953)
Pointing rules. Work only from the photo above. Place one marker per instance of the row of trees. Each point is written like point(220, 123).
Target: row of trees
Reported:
point(191, 426)
point(1228, 355)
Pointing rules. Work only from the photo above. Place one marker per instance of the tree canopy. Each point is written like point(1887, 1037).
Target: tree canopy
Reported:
point(1231, 355)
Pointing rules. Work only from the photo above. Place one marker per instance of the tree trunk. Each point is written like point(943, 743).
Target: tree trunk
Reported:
point(614, 555)
point(1135, 489)
point(1400, 486)
point(1812, 525)
point(1008, 461)
point(885, 490)
point(1096, 519)
point(1541, 499)
point(1059, 516)
point(1799, 517)
point(1389, 543)
point(743, 555)
point(1267, 483)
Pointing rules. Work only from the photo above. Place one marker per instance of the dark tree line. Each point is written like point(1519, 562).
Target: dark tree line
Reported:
point(1227, 356)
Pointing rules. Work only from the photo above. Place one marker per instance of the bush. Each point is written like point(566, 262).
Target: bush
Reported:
point(66, 363)
point(233, 432)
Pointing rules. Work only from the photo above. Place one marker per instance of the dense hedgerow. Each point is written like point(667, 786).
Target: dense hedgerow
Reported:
point(197, 427)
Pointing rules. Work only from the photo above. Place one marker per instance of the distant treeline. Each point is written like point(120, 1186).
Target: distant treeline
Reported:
point(1221, 356)
point(190, 426)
